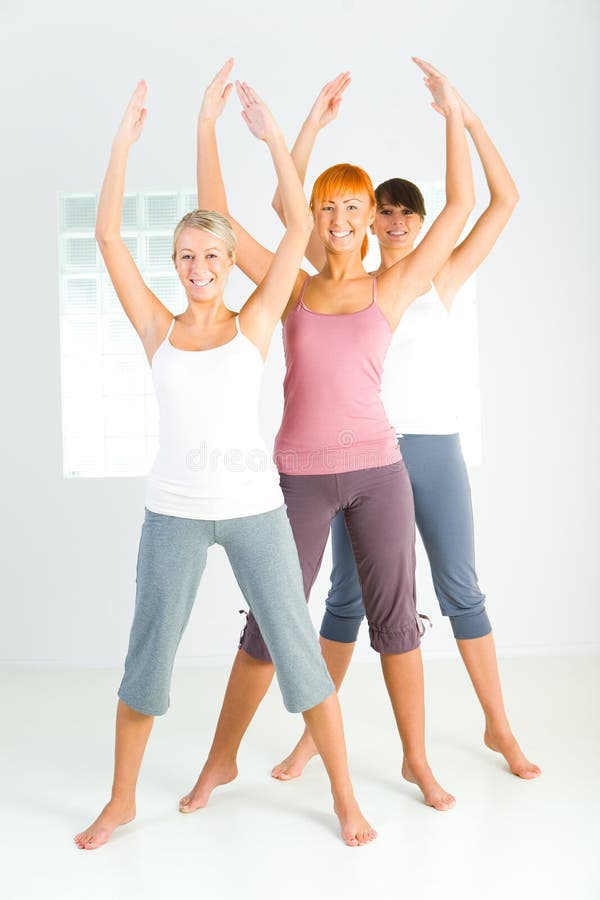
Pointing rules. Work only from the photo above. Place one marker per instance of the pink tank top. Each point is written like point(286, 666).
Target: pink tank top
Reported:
point(333, 416)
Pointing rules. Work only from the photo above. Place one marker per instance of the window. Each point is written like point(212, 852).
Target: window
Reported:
point(109, 412)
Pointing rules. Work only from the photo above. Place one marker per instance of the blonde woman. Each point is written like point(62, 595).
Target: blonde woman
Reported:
point(211, 482)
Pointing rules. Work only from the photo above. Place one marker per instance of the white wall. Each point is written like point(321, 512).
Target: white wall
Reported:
point(530, 69)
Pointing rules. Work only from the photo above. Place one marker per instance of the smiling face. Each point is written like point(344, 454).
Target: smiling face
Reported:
point(203, 263)
point(341, 221)
point(396, 227)
point(343, 207)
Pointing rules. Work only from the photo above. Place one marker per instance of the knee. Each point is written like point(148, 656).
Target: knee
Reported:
point(345, 599)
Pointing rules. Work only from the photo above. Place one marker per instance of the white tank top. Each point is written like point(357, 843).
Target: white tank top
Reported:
point(418, 389)
point(212, 462)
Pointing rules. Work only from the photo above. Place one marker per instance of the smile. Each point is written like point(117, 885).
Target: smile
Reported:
point(340, 234)
point(201, 283)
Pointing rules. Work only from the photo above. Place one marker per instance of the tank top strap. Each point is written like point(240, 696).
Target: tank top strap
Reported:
point(171, 327)
point(374, 289)
point(237, 324)
point(303, 291)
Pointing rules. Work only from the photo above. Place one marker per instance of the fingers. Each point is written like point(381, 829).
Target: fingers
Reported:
point(242, 94)
point(246, 94)
point(223, 72)
point(139, 95)
point(338, 85)
point(427, 67)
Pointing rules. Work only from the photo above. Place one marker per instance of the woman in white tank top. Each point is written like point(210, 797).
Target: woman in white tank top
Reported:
point(210, 482)
point(419, 398)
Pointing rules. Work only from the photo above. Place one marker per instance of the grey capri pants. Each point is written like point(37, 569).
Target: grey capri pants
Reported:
point(377, 507)
point(264, 559)
point(444, 517)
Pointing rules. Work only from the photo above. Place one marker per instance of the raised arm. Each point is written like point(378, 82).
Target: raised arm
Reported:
point(504, 196)
point(323, 111)
point(145, 311)
point(252, 258)
point(411, 276)
point(260, 313)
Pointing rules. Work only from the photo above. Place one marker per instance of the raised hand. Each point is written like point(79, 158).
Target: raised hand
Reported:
point(444, 96)
point(134, 116)
point(217, 92)
point(326, 106)
point(255, 113)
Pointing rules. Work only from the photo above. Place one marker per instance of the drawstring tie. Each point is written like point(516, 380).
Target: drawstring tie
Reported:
point(243, 612)
point(421, 619)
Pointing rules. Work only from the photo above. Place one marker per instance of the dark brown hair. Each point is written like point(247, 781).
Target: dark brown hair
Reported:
point(399, 192)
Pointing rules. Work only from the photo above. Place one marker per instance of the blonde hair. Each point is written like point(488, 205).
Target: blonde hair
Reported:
point(212, 223)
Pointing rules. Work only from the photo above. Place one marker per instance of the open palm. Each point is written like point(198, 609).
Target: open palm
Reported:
point(255, 113)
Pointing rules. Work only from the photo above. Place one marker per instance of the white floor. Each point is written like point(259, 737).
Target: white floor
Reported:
point(505, 840)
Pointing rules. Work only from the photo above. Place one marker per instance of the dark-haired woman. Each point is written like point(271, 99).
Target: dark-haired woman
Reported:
point(420, 402)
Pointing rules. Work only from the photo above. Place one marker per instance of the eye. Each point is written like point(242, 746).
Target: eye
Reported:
point(187, 256)
point(407, 212)
point(211, 256)
point(385, 212)
point(352, 206)
point(327, 208)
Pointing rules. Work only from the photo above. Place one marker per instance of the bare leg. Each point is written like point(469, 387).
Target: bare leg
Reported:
point(337, 658)
point(133, 731)
point(248, 683)
point(403, 674)
point(479, 657)
point(325, 724)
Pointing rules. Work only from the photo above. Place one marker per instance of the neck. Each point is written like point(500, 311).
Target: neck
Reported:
point(206, 314)
point(390, 256)
point(342, 266)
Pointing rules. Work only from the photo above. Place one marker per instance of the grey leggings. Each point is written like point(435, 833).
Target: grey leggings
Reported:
point(263, 556)
point(444, 517)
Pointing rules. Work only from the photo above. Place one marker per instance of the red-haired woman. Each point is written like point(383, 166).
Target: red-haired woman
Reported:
point(335, 449)
point(420, 401)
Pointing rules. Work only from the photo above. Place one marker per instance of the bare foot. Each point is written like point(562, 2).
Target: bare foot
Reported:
point(517, 761)
point(433, 793)
point(356, 831)
point(115, 813)
point(294, 764)
point(210, 778)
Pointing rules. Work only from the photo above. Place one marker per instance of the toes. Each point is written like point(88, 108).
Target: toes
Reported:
point(530, 772)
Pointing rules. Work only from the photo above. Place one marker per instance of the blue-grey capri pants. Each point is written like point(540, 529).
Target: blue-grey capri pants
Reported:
point(444, 517)
point(264, 559)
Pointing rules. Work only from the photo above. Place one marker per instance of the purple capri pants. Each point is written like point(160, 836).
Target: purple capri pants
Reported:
point(379, 513)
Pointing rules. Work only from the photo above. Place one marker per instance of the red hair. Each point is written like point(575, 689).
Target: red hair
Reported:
point(343, 179)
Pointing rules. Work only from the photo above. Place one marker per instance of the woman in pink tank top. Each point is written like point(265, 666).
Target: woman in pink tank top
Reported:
point(421, 405)
point(335, 449)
